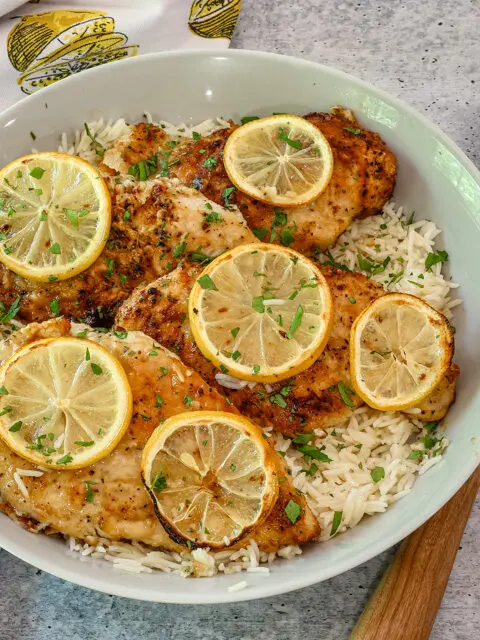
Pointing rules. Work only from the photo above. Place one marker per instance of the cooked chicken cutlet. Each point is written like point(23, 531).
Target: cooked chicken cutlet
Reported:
point(155, 224)
point(312, 399)
point(121, 508)
point(362, 181)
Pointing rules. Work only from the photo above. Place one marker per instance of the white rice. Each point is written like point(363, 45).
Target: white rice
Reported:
point(368, 439)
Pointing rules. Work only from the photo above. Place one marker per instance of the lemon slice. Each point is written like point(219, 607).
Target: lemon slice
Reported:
point(283, 160)
point(54, 215)
point(400, 349)
point(261, 312)
point(211, 476)
point(65, 402)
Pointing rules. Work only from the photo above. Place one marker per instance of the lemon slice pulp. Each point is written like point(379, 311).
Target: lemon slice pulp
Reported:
point(400, 349)
point(283, 160)
point(211, 476)
point(55, 215)
point(65, 402)
point(261, 312)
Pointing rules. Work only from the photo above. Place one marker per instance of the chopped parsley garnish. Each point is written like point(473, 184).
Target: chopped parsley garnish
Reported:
point(121, 335)
point(257, 304)
point(87, 355)
point(210, 162)
point(159, 401)
point(145, 168)
point(213, 217)
point(223, 368)
point(99, 150)
point(337, 518)
point(110, 267)
point(83, 443)
point(352, 130)
point(196, 135)
point(37, 172)
point(6, 410)
point(278, 400)
point(55, 307)
point(260, 233)
point(52, 278)
point(435, 258)
point(293, 511)
point(199, 256)
point(187, 400)
point(233, 467)
point(235, 331)
point(226, 193)
point(283, 135)
point(12, 312)
point(296, 322)
point(55, 248)
point(90, 494)
point(33, 136)
point(311, 471)
point(286, 237)
point(415, 454)
point(331, 262)
point(352, 300)
point(179, 249)
point(380, 353)
point(3, 391)
point(97, 370)
point(207, 283)
point(303, 438)
point(126, 216)
point(345, 393)
point(371, 267)
point(236, 355)
point(313, 452)
point(82, 334)
point(65, 459)
point(164, 371)
point(377, 474)
point(159, 482)
point(16, 426)
point(255, 369)
point(247, 119)
point(123, 278)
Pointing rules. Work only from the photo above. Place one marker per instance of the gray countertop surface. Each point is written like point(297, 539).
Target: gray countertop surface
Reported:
point(426, 52)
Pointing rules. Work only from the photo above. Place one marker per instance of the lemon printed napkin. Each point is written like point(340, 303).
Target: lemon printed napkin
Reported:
point(44, 41)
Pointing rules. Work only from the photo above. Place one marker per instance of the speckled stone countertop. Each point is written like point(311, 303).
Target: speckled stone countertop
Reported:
point(426, 52)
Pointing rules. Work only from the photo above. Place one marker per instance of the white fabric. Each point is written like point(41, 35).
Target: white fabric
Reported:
point(38, 46)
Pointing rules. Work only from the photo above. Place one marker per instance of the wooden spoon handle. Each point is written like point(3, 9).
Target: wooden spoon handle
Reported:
point(409, 595)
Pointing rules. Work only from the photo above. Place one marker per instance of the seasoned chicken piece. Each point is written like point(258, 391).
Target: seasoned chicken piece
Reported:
point(435, 406)
point(154, 225)
point(141, 142)
point(309, 401)
point(362, 181)
point(121, 508)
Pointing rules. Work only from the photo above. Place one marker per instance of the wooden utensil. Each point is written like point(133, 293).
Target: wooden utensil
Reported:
point(406, 601)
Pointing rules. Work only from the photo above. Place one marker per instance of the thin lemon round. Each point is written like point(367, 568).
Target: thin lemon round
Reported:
point(55, 216)
point(65, 402)
point(400, 349)
point(283, 160)
point(211, 476)
point(261, 312)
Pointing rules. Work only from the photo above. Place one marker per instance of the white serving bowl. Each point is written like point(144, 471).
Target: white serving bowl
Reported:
point(434, 178)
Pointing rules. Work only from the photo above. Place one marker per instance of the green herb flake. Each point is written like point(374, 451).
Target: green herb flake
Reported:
point(226, 193)
point(37, 172)
point(179, 249)
point(65, 459)
point(164, 371)
point(415, 454)
point(159, 401)
point(293, 511)
point(278, 400)
point(85, 443)
point(313, 452)
point(235, 331)
point(352, 300)
point(337, 518)
point(223, 369)
point(33, 136)
point(435, 258)
point(16, 426)
point(187, 400)
point(247, 119)
point(303, 438)
point(257, 304)
point(345, 393)
point(260, 233)
point(55, 307)
point(255, 369)
point(286, 237)
point(210, 162)
point(283, 135)
point(89, 495)
point(12, 312)
point(55, 248)
point(196, 136)
point(296, 322)
point(97, 370)
point(3, 391)
point(159, 482)
point(126, 216)
point(377, 474)
point(207, 283)
point(352, 130)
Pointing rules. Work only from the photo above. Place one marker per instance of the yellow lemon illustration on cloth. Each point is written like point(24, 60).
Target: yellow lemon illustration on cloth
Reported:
point(49, 46)
point(214, 18)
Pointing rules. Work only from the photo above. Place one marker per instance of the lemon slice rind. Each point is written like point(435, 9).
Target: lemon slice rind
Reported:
point(283, 160)
point(65, 404)
point(211, 476)
point(400, 349)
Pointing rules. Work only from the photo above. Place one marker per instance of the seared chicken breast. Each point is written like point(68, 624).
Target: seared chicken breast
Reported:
point(121, 508)
point(155, 224)
point(310, 400)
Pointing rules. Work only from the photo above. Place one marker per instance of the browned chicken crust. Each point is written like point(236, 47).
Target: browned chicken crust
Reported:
point(121, 507)
point(154, 225)
point(313, 400)
point(362, 182)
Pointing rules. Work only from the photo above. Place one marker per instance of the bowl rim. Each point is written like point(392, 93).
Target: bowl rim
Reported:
point(136, 591)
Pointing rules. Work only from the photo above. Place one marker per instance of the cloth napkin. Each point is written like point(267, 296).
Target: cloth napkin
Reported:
point(44, 41)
